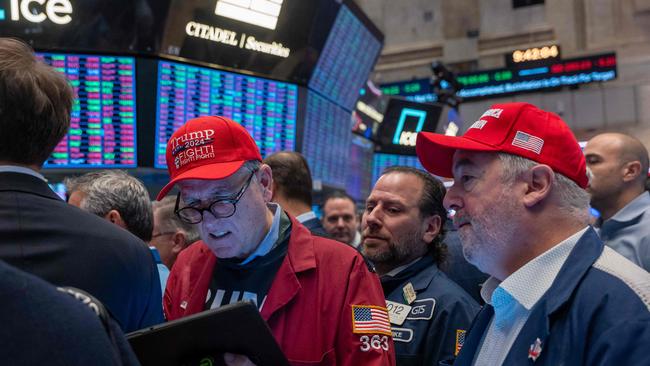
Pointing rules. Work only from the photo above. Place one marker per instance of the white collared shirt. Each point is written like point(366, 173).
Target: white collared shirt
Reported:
point(514, 298)
point(306, 216)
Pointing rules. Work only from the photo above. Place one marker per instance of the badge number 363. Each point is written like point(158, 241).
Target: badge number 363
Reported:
point(376, 342)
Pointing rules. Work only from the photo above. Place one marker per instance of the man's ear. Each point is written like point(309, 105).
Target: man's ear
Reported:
point(432, 229)
point(265, 177)
point(115, 217)
point(631, 171)
point(180, 242)
point(539, 180)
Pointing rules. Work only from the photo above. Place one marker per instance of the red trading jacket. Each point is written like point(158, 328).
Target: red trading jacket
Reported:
point(309, 306)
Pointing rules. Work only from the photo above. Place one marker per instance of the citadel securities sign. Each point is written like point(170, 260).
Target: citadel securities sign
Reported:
point(263, 13)
point(37, 11)
point(234, 39)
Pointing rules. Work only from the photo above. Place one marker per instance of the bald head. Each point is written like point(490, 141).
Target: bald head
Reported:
point(619, 164)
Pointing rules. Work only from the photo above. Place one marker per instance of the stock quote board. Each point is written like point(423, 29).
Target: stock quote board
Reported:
point(383, 161)
point(326, 141)
point(103, 121)
point(349, 55)
point(499, 82)
point(266, 108)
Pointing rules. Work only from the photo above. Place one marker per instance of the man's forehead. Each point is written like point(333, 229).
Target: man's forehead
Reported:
point(338, 204)
point(397, 187)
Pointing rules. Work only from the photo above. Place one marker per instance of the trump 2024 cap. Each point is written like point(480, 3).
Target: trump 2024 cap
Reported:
point(208, 148)
point(514, 128)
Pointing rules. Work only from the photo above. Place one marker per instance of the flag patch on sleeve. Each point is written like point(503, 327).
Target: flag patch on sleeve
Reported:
point(460, 340)
point(370, 319)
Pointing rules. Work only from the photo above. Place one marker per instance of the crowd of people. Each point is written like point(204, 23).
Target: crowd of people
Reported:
point(506, 267)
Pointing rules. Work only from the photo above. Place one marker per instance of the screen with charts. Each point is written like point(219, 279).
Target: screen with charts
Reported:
point(103, 123)
point(341, 77)
point(266, 108)
point(326, 141)
point(360, 168)
point(383, 161)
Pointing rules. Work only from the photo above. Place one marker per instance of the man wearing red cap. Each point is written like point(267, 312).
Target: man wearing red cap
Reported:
point(556, 295)
point(318, 296)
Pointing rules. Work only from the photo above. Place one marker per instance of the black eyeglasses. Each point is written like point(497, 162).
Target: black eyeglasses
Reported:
point(220, 209)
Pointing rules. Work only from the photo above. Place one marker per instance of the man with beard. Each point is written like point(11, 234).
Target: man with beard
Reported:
point(403, 232)
point(556, 295)
point(619, 164)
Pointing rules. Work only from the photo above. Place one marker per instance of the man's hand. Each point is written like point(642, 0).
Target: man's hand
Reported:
point(232, 359)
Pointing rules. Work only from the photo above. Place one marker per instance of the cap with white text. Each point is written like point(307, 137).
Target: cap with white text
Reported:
point(208, 148)
point(514, 128)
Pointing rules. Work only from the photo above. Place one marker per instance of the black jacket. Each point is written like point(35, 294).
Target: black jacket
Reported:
point(43, 235)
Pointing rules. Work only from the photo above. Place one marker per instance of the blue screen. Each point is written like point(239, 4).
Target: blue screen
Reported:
point(326, 142)
point(383, 161)
point(360, 165)
point(266, 108)
point(103, 122)
point(346, 61)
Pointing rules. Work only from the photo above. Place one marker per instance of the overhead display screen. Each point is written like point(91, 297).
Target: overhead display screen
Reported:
point(383, 161)
point(403, 120)
point(349, 55)
point(582, 70)
point(103, 123)
point(276, 38)
point(326, 141)
point(360, 168)
point(266, 108)
point(498, 82)
point(113, 26)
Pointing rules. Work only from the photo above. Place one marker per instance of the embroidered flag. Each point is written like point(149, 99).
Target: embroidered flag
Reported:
point(528, 142)
point(535, 349)
point(370, 319)
point(460, 340)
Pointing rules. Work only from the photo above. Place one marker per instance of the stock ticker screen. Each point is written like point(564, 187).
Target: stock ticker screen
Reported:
point(349, 55)
point(103, 123)
point(383, 161)
point(360, 162)
point(266, 108)
point(326, 141)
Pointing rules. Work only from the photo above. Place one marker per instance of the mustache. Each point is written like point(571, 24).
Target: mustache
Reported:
point(461, 219)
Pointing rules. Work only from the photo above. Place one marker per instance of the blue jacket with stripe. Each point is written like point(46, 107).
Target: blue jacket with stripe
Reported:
point(438, 318)
point(597, 312)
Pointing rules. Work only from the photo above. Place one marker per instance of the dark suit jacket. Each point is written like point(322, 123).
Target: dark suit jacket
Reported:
point(43, 235)
point(43, 326)
point(314, 225)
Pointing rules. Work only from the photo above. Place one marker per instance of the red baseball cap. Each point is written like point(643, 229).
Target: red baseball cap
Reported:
point(208, 148)
point(514, 128)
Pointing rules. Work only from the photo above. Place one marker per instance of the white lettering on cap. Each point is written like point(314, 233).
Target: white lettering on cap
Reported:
point(496, 113)
point(192, 146)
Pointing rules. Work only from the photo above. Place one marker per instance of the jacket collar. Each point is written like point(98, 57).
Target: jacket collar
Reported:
point(582, 257)
point(300, 258)
point(26, 183)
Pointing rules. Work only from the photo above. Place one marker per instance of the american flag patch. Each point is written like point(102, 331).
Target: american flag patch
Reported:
point(528, 142)
point(370, 319)
point(460, 340)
